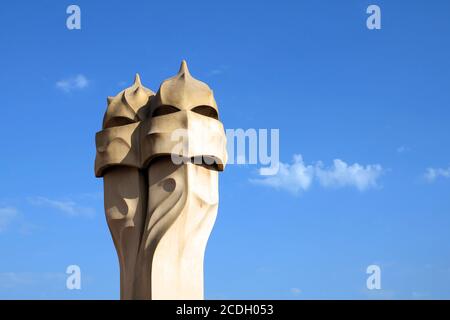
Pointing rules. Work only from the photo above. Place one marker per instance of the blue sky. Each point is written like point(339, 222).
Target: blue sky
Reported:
point(362, 107)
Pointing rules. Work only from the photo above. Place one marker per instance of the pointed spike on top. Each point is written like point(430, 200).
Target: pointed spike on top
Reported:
point(184, 68)
point(137, 80)
point(109, 100)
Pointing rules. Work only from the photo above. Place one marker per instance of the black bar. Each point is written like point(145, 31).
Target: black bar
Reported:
point(225, 309)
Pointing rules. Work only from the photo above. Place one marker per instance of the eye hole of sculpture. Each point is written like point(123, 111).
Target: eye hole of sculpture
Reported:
point(207, 111)
point(163, 110)
point(119, 121)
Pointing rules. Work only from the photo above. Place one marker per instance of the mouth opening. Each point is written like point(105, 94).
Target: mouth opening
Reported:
point(206, 161)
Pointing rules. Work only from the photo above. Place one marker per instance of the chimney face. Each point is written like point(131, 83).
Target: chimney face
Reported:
point(160, 156)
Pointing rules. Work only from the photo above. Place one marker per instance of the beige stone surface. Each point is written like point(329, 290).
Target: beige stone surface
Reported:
point(160, 156)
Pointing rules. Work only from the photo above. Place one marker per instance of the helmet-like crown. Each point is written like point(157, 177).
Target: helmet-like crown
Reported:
point(184, 92)
point(128, 106)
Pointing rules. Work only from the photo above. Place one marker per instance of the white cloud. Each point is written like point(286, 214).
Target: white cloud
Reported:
point(68, 207)
point(343, 175)
point(294, 177)
point(432, 174)
point(298, 176)
point(7, 214)
point(77, 82)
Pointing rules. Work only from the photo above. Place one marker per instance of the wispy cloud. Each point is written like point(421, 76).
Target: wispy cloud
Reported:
point(10, 280)
point(298, 176)
point(31, 280)
point(7, 214)
point(420, 295)
point(295, 291)
point(77, 82)
point(68, 207)
point(218, 71)
point(432, 174)
point(403, 149)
